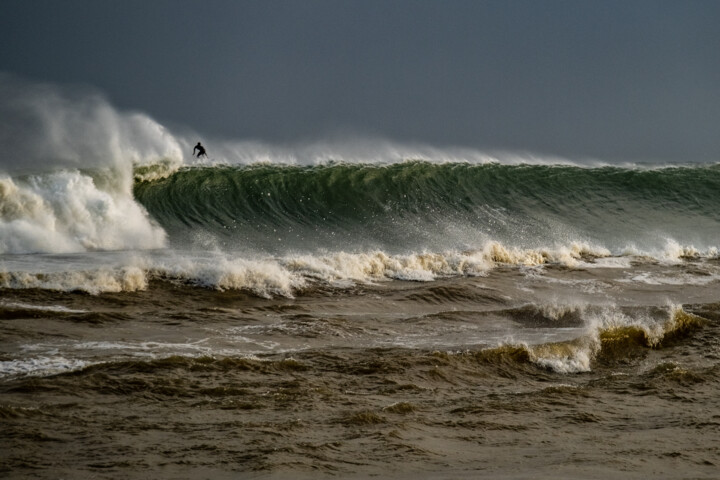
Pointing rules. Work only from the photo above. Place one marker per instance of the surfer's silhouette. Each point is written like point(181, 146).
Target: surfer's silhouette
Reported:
point(200, 151)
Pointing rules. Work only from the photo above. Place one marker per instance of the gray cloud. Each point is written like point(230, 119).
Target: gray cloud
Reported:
point(616, 80)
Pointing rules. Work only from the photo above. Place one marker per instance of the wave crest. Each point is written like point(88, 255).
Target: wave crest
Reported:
point(66, 212)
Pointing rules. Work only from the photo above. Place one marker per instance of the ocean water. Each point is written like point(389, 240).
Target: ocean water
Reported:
point(351, 310)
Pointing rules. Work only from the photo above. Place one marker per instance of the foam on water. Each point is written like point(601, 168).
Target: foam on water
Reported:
point(66, 212)
point(41, 366)
point(265, 275)
point(605, 326)
point(39, 308)
point(43, 359)
point(127, 279)
point(292, 274)
point(66, 172)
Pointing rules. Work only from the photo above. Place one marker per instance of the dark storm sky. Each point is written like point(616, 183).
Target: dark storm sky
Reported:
point(617, 80)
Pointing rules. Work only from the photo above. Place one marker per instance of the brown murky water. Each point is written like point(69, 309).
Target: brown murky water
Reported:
point(524, 373)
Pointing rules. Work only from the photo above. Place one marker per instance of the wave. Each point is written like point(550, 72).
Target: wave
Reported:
point(269, 276)
point(614, 335)
point(66, 170)
point(426, 206)
point(67, 212)
point(621, 338)
point(399, 209)
point(95, 281)
point(79, 175)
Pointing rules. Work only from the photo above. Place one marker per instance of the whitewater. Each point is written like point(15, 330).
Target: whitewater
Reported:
point(349, 307)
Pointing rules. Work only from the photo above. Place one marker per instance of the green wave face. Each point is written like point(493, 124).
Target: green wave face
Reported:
point(422, 205)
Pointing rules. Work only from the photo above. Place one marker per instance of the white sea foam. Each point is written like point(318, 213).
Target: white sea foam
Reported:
point(576, 356)
point(283, 275)
point(670, 279)
point(669, 252)
point(66, 212)
point(66, 170)
point(41, 366)
point(576, 361)
point(150, 349)
point(40, 308)
point(125, 279)
point(264, 277)
point(288, 274)
point(42, 359)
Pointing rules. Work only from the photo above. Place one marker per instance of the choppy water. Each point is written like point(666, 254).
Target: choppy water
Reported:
point(523, 373)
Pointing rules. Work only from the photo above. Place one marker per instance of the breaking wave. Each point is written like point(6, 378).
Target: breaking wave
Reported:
point(426, 206)
point(614, 335)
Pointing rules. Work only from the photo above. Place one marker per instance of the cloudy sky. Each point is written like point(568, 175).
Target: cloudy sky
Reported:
point(616, 80)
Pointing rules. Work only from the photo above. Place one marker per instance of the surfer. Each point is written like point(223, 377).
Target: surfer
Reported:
point(200, 149)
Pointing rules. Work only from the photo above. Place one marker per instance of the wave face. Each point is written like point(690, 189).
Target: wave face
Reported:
point(420, 205)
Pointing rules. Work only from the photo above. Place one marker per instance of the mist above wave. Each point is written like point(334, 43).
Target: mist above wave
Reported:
point(66, 171)
point(72, 163)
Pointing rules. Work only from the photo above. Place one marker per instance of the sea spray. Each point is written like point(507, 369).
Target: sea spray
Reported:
point(45, 128)
point(66, 170)
point(66, 212)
